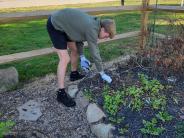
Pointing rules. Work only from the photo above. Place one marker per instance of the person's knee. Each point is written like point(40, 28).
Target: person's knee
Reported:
point(64, 58)
point(72, 47)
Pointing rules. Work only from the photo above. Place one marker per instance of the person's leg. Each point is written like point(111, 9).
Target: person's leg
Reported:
point(75, 75)
point(62, 66)
point(59, 40)
point(62, 96)
point(73, 55)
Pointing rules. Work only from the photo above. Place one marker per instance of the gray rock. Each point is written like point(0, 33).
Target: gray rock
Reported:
point(8, 78)
point(81, 100)
point(72, 90)
point(94, 113)
point(30, 111)
point(103, 130)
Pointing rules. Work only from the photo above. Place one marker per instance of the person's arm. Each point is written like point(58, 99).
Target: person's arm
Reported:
point(84, 62)
point(92, 37)
point(95, 53)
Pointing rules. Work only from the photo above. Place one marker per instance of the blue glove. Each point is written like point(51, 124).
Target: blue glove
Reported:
point(85, 63)
point(105, 77)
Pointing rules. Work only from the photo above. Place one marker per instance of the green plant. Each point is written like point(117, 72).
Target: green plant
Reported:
point(123, 130)
point(158, 102)
point(164, 116)
point(180, 130)
point(135, 93)
point(5, 127)
point(116, 120)
point(112, 100)
point(152, 86)
point(151, 128)
point(112, 103)
point(136, 104)
point(88, 94)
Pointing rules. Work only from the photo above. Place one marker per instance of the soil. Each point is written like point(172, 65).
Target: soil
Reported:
point(127, 75)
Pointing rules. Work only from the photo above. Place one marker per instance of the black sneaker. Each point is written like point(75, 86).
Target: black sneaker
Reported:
point(75, 75)
point(64, 98)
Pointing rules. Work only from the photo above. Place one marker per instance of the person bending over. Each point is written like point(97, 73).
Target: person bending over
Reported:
point(69, 28)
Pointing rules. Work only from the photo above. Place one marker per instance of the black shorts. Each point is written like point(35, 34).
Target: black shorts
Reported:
point(58, 38)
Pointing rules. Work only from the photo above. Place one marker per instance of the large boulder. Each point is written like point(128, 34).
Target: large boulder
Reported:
point(8, 79)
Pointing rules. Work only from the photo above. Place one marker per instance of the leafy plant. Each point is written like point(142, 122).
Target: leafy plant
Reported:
point(116, 120)
point(152, 86)
point(150, 127)
point(136, 104)
point(135, 93)
point(180, 130)
point(123, 130)
point(112, 103)
point(5, 127)
point(158, 102)
point(88, 94)
point(164, 116)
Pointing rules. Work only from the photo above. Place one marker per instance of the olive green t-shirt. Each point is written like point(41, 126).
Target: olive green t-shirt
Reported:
point(79, 27)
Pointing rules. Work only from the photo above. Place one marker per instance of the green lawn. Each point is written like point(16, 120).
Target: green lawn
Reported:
point(39, 66)
point(29, 35)
point(33, 35)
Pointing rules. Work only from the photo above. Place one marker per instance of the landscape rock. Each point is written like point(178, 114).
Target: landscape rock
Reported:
point(72, 90)
point(103, 130)
point(8, 79)
point(81, 100)
point(94, 113)
point(29, 111)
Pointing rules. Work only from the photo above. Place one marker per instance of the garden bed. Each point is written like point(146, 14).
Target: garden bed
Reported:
point(139, 102)
point(142, 101)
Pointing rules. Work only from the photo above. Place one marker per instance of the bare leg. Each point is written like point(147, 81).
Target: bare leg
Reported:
point(62, 66)
point(74, 55)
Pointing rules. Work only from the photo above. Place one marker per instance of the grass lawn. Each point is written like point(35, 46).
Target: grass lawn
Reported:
point(30, 35)
point(40, 66)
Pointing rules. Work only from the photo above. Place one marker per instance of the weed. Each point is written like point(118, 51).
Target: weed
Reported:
point(5, 127)
point(88, 94)
point(123, 130)
point(164, 116)
point(151, 128)
point(116, 120)
point(180, 130)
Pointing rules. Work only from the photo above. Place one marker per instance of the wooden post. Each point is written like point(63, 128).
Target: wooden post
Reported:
point(122, 2)
point(182, 1)
point(144, 23)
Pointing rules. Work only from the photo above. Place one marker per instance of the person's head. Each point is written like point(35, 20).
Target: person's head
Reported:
point(108, 28)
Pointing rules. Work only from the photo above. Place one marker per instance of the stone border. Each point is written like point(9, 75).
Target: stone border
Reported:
point(94, 114)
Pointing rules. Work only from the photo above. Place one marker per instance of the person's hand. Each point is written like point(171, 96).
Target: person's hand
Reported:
point(105, 77)
point(85, 63)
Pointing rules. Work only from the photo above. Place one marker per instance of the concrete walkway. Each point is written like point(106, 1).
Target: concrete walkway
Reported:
point(31, 3)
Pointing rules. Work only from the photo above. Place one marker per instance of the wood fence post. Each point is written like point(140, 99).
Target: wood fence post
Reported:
point(122, 2)
point(144, 23)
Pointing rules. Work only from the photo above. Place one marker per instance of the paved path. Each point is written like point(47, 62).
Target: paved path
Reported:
point(30, 3)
